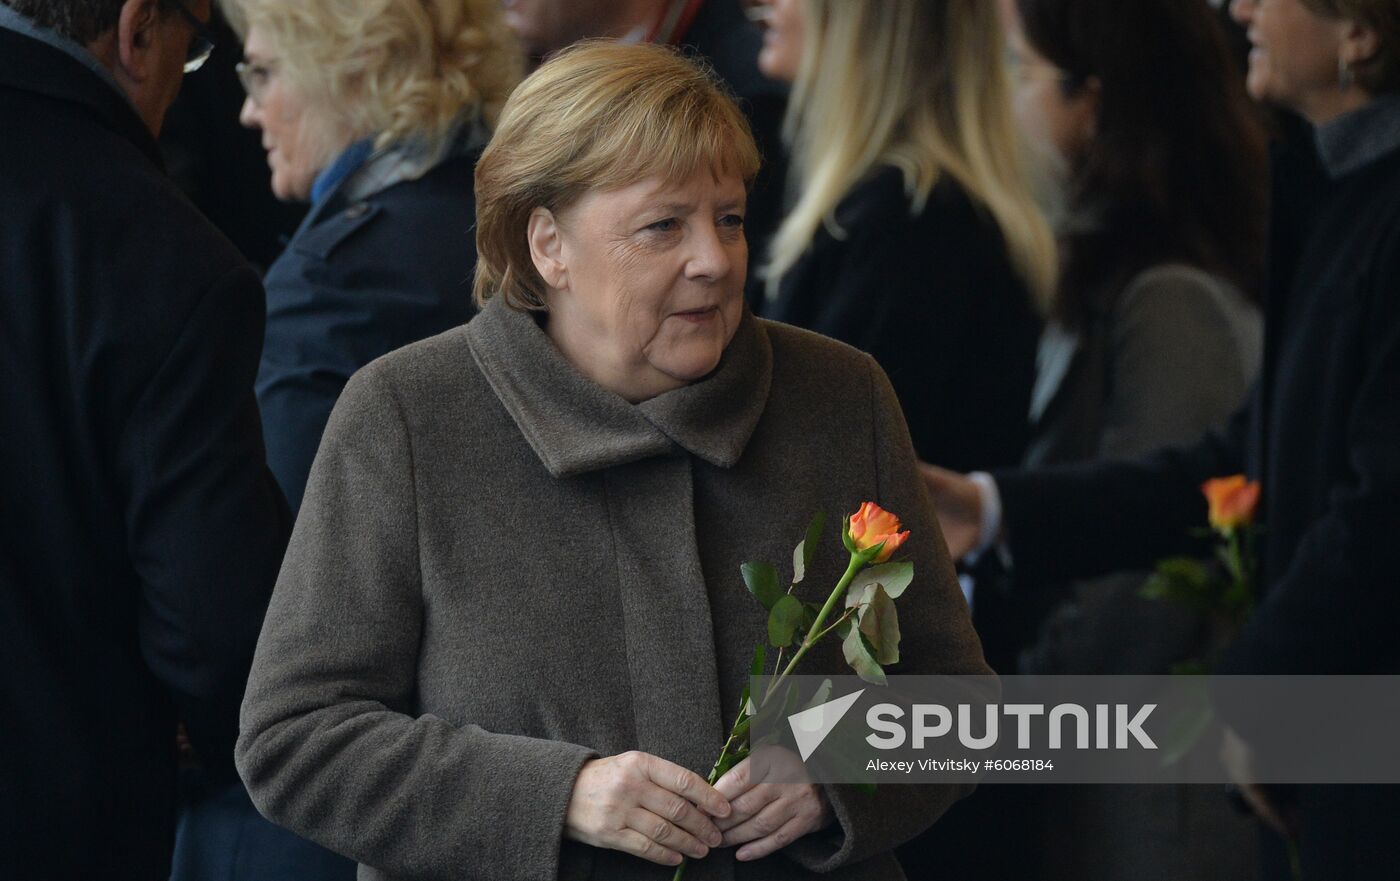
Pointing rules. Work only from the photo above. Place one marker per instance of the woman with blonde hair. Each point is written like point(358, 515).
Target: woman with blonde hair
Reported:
point(914, 235)
point(511, 617)
point(375, 112)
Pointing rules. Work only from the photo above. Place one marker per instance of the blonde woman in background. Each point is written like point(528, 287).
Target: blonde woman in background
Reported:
point(914, 235)
point(375, 113)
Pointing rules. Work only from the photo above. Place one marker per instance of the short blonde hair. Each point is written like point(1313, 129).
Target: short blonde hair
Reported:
point(598, 116)
point(401, 70)
point(919, 85)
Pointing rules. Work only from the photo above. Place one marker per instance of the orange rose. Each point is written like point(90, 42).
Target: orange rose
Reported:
point(872, 525)
point(1232, 501)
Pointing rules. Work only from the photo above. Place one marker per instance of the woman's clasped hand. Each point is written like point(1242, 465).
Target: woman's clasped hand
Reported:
point(643, 805)
point(646, 806)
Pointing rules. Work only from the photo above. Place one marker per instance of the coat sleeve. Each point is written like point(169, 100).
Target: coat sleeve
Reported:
point(1083, 520)
point(936, 638)
point(205, 523)
point(331, 746)
point(1333, 608)
point(1130, 509)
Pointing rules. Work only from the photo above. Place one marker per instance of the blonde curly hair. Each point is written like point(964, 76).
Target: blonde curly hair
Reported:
point(401, 70)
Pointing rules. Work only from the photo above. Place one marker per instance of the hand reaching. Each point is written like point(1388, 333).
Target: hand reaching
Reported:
point(959, 508)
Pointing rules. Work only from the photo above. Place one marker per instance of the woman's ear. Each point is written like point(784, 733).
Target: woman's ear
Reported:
point(1360, 43)
point(547, 249)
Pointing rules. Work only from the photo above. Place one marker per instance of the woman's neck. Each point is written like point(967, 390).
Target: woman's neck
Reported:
point(1323, 106)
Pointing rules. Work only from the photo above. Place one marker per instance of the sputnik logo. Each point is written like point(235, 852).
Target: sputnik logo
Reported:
point(811, 726)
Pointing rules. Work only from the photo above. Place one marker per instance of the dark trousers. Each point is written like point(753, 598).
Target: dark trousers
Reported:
point(220, 836)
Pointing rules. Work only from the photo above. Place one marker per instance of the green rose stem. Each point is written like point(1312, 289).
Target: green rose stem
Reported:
point(859, 559)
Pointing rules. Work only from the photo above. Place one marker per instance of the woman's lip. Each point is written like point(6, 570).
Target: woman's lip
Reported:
point(697, 314)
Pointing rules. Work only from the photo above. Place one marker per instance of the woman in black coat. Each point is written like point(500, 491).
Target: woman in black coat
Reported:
point(914, 236)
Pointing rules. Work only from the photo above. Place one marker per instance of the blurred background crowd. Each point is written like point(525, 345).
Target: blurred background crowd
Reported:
point(1072, 232)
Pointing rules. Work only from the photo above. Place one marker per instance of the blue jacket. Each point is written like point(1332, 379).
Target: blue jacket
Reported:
point(359, 279)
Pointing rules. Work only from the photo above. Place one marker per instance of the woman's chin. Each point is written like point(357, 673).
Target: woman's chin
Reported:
point(288, 187)
point(689, 366)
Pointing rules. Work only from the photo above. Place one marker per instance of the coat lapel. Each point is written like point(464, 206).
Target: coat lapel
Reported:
point(1059, 347)
point(666, 611)
point(645, 453)
point(574, 425)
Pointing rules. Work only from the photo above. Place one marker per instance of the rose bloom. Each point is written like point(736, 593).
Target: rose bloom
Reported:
point(1232, 501)
point(872, 525)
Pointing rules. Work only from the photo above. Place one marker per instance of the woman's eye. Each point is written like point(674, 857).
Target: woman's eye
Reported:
point(732, 220)
point(670, 224)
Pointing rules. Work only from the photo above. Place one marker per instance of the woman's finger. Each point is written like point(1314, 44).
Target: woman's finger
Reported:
point(638, 845)
point(680, 812)
point(665, 834)
point(687, 784)
point(788, 833)
point(736, 782)
point(767, 821)
point(749, 804)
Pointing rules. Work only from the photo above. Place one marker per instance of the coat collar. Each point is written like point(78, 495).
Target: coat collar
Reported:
point(576, 426)
point(1059, 348)
point(30, 65)
point(369, 173)
point(1359, 138)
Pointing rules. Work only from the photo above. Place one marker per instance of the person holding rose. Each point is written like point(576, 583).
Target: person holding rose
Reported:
point(511, 624)
point(1159, 190)
point(1320, 432)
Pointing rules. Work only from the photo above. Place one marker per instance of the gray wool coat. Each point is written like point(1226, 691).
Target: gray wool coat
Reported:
point(502, 570)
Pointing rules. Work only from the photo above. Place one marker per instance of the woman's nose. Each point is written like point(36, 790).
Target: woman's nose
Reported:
point(710, 259)
point(1242, 11)
point(248, 113)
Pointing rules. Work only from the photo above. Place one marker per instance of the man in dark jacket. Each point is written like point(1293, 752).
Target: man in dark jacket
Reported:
point(140, 531)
